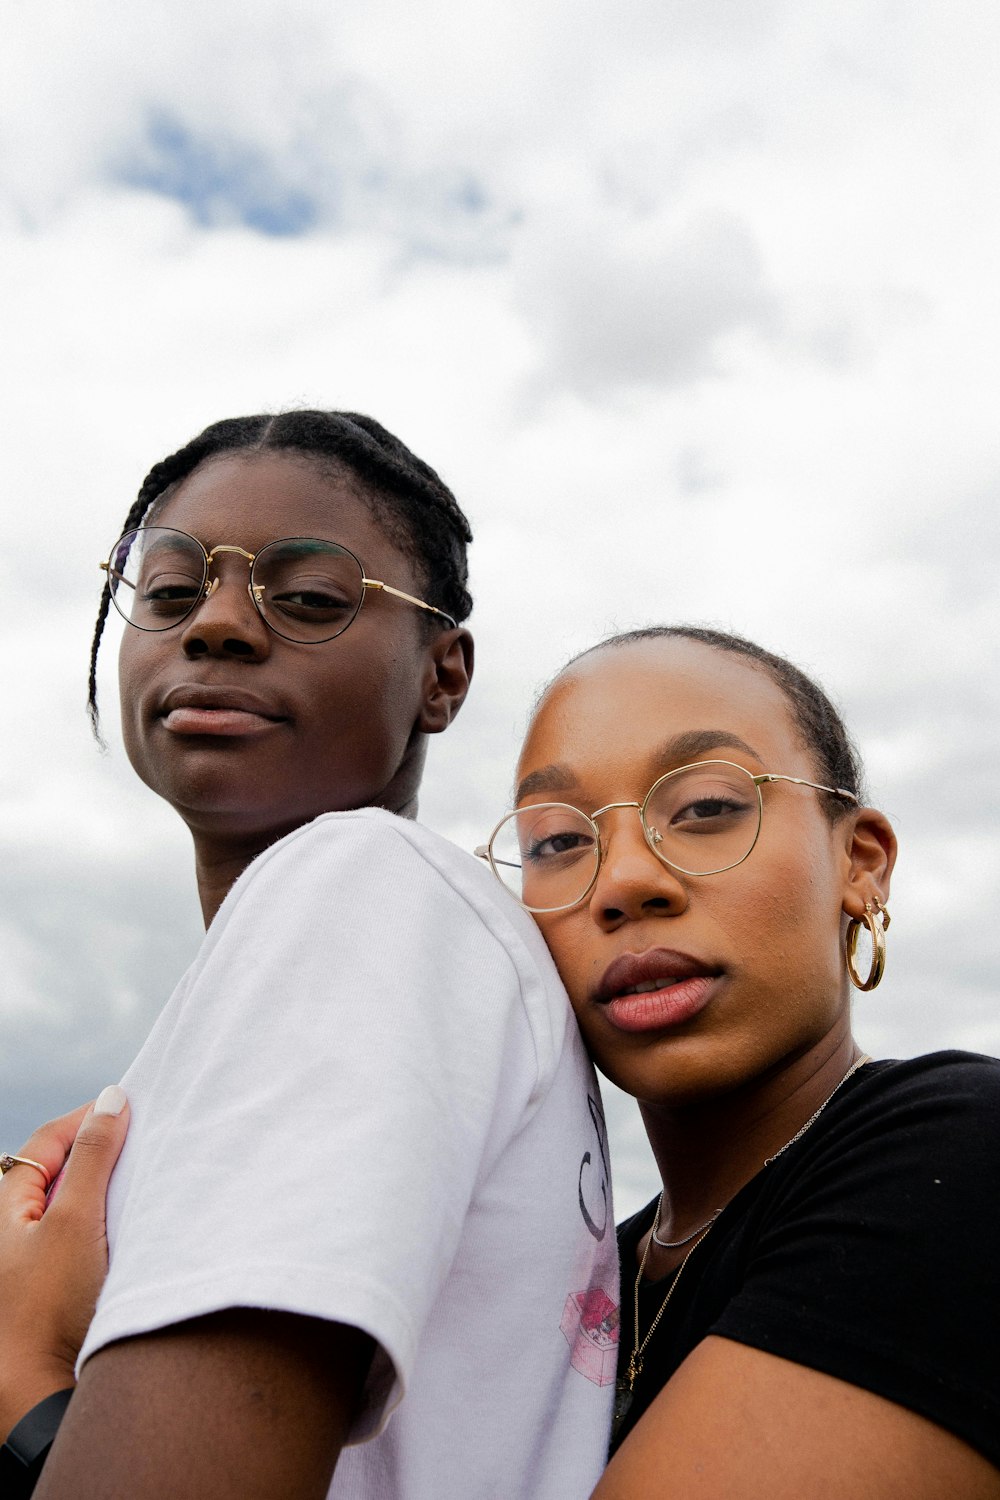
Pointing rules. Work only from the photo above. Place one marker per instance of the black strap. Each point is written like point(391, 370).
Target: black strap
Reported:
point(23, 1455)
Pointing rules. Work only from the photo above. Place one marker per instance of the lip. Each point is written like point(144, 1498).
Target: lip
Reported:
point(689, 986)
point(200, 709)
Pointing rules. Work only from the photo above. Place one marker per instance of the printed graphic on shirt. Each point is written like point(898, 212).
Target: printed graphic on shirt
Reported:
point(595, 1177)
point(590, 1324)
point(590, 1319)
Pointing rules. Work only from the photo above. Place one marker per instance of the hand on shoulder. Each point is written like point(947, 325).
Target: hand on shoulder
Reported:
point(53, 1249)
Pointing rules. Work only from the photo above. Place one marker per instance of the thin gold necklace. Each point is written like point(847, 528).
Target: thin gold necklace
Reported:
point(679, 1244)
point(625, 1385)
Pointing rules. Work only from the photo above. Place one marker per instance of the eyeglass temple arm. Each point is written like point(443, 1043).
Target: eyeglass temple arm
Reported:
point(375, 583)
point(835, 791)
point(114, 573)
point(482, 851)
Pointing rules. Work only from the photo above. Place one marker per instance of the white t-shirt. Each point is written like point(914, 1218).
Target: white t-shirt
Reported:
point(367, 1101)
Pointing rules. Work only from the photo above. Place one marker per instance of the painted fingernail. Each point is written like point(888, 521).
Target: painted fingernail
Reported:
point(110, 1101)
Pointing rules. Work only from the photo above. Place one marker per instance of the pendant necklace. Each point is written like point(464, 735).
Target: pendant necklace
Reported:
point(625, 1385)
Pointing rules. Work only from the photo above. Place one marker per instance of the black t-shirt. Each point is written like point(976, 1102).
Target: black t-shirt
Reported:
point(869, 1250)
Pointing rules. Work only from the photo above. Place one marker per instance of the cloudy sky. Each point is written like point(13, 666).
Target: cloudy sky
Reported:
point(693, 302)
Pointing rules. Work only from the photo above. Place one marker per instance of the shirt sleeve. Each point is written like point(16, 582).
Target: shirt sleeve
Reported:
point(308, 1132)
point(874, 1255)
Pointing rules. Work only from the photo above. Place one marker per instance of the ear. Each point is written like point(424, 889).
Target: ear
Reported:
point(871, 850)
point(450, 660)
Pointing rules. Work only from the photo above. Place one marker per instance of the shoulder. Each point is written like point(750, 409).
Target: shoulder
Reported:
point(368, 849)
point(923, 1129)
point(355, 839)
point(932, 1091)
point(907, 1109)
point(933, 1073)
point(382, 888)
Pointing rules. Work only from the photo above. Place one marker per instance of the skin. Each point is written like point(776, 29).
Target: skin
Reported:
point(730, 1083)
point(338, 725)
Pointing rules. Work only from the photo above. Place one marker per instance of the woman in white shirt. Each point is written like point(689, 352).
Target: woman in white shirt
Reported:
point(366, 1104)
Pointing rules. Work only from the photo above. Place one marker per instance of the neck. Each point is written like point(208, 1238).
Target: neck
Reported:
point(706, 1151)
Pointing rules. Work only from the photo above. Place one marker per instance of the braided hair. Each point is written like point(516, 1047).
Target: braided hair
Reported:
point(818, 721)
point(415, 507)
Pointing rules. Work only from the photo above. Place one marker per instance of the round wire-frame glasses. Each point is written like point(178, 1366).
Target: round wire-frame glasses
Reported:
point(699, 819)
point(305, 589)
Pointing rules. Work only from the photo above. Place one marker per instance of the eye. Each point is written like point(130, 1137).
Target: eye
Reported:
point(551, 835)
point(167, 593)
point(309, 581)
point(702, 800)
point(310, 598)
point(554, 845)
point(709, 808)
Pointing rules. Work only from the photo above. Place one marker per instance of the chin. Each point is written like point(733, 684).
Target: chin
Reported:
point(673, 1071)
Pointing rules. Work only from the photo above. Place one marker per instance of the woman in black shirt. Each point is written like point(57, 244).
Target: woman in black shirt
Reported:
point(809, 1307)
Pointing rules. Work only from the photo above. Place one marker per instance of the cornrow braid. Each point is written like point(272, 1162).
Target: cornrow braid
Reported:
point(409, 499)
point(159, 479)
point(818, 721)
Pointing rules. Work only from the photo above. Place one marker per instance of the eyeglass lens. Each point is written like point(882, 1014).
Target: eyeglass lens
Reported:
point(306, 589)
point(700, 820)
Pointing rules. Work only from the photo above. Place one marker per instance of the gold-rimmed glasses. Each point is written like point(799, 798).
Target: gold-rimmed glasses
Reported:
point(701, 819)
point(303, 588)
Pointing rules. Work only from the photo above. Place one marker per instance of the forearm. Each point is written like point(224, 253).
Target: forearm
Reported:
point(734, 1421)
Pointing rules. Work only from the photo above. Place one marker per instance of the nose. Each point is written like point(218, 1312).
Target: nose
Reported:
point(225, 622)
point(632, 882)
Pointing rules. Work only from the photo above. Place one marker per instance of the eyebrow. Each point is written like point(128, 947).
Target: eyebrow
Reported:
point(555, 778)
point(673, 752)
point(680, 749)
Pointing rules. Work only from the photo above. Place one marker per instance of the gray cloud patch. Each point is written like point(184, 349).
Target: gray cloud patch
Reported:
point(90, 958)
point(638, 306)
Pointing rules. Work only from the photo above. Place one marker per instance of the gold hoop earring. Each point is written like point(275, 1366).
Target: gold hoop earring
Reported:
point(877, 930)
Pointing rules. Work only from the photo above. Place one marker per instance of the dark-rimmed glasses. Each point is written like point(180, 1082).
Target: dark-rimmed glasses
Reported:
point(699, 820)
point(303, 588)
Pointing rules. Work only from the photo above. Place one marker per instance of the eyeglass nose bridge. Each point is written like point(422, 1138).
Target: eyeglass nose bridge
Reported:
point(653, 835)
point(255, 591)
point(251, 558)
